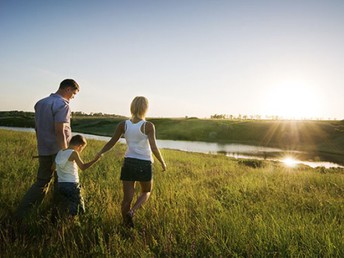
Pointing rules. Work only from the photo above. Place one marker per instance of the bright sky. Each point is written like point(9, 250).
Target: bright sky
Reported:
point(189, 58)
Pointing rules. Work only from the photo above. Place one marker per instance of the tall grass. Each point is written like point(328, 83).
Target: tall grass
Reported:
point(202, 206)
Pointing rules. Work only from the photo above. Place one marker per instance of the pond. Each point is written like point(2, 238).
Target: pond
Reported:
point(237, 151)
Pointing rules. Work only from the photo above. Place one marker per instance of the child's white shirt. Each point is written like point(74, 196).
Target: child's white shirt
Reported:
point(67, 171)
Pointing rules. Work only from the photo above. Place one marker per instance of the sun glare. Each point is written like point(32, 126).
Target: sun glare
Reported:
point(292, 100)
point(290, 162)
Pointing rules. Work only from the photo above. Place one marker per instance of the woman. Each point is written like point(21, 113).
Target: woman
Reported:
point(137, 166)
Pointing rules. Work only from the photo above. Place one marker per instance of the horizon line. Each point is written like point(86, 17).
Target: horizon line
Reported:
point(214, 117)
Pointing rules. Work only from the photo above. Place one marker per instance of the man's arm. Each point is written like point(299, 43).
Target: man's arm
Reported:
point(61, 136)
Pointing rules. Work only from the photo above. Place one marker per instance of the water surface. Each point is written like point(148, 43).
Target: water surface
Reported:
point(238, 151)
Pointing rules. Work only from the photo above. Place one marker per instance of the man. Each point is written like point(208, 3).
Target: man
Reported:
point(53, 132)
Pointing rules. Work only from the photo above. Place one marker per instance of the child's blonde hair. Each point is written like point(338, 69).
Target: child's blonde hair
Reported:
point(78, 140)
point(139, 107)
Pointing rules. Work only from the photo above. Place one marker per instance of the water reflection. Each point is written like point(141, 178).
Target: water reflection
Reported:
point(237, 151)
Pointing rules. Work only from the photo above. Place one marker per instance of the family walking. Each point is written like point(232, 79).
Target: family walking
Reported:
point(59, 151)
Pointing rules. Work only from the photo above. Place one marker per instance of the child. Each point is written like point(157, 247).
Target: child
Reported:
point(67, 163)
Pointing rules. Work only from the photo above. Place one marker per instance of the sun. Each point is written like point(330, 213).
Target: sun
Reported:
point(292, 100)
point(290, 162)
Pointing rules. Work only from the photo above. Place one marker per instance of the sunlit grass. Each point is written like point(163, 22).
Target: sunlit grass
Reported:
point(202, 206)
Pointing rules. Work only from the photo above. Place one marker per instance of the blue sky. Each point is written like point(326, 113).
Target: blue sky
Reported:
point(189, 58)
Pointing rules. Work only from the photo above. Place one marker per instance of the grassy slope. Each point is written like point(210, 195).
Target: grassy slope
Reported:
point(203, 206)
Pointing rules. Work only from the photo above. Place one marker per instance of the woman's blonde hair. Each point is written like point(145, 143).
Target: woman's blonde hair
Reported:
point(139, 107)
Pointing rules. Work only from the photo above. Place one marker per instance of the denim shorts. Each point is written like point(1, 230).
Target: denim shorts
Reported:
point(70, 198)
point(136, 170)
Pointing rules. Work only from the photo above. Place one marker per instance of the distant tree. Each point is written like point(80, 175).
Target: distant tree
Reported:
point(79, 113)
point(97, 114)
point(216, 116)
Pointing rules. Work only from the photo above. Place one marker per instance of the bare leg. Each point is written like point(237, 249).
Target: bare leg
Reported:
point(146, 188)
point(128, 191)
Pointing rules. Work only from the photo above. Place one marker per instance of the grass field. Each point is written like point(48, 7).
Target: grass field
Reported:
point(202, 206)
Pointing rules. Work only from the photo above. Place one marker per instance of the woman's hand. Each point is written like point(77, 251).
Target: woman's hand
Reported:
point(163, 165)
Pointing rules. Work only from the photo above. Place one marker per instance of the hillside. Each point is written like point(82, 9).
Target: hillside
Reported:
point(324, 137)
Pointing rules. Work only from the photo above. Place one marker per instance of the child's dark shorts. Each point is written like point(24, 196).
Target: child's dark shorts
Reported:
point(70, 198)
point(136, 170)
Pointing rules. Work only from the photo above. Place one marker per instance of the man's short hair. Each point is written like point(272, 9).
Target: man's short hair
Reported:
point(69, 83)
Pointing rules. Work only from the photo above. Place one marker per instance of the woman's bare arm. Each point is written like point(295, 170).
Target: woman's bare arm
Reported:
point(118, 133)
point(150, 131)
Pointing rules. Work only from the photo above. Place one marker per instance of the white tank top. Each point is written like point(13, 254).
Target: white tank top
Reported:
point(67, 171)
point(137, 142)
